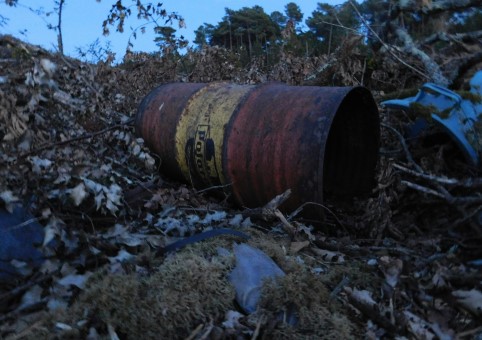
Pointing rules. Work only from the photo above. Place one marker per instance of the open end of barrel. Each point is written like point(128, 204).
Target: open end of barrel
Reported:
point(351, 151)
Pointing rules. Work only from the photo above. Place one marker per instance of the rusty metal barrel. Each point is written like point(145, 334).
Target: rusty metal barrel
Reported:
point(257, 141)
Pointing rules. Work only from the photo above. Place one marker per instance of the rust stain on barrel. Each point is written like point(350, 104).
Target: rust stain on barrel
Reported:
point(267, 138)
point(276, 141)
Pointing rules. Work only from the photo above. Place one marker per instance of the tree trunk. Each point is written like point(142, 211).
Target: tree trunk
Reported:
point(60, 41)
point(249, 43)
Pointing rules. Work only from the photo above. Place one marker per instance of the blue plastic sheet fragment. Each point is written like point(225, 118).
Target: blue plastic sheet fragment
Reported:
point(461, 118)
point(21, 236)
point(252, 267)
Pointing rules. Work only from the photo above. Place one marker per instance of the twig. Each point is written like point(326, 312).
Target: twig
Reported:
point(362, 251)
point(339, 287)
point(19, 226)
point(20, 289)
point(468, 183)
point(341, 26)
point(423, 189)
point(464, 200)
point(125, 167)
point(213, 188)
point(29, 331)
point(287, 226)
point(470, 332)
point(23, 310)
point(425, 176)
point(208, 331)
point(467, 217)
point(441, 191)
point(408, 155)
point(371, 312)
point(260, 322)
point(277, 201)
point(297, 211)
point(112, 333)
point(68, 141)
point(268, 210)
point(195, 332)
point(445, 194)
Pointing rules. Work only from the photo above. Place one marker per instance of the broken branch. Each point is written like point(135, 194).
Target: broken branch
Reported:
point(468, 183)
point(76, 139)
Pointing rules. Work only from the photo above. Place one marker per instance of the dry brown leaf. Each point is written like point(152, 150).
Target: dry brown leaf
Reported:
point(295, 247)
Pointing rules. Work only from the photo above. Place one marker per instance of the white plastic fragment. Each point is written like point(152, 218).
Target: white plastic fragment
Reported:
point(329, 256)
point(214, 217)
point(63, 326)
point(232, 319)
point(362, 296)
point(469, 299)
point(236, 220)
point(247, 223)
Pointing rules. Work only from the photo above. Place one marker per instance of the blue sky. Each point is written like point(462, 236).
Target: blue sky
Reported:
point(82, 21)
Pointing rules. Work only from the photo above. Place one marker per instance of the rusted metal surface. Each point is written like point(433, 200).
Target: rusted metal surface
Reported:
point(157, 118)
point(260, 140)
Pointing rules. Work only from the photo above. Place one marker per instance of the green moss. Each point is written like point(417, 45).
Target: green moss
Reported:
point(305, 294)
point(444, 114)
point(474, 136)
point(191, 287)
point(474, 98)
point(187, 290)
point(404, 93)
point(21, 53)
point(424, 111)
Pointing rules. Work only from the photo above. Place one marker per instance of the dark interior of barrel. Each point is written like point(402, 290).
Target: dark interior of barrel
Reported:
point(351, 151)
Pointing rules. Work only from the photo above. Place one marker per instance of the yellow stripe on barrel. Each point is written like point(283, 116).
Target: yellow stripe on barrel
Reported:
point(201, 129)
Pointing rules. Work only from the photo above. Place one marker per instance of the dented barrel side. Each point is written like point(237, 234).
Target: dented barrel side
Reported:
point(260, 140)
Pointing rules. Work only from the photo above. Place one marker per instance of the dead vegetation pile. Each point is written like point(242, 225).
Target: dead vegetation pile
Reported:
point(403, 262)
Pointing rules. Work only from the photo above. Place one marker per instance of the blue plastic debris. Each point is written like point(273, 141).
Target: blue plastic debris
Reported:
point(461, 118)
point(20, 237)
point(252, 268)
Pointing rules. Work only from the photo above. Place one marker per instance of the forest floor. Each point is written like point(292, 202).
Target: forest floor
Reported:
point(404, 262)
